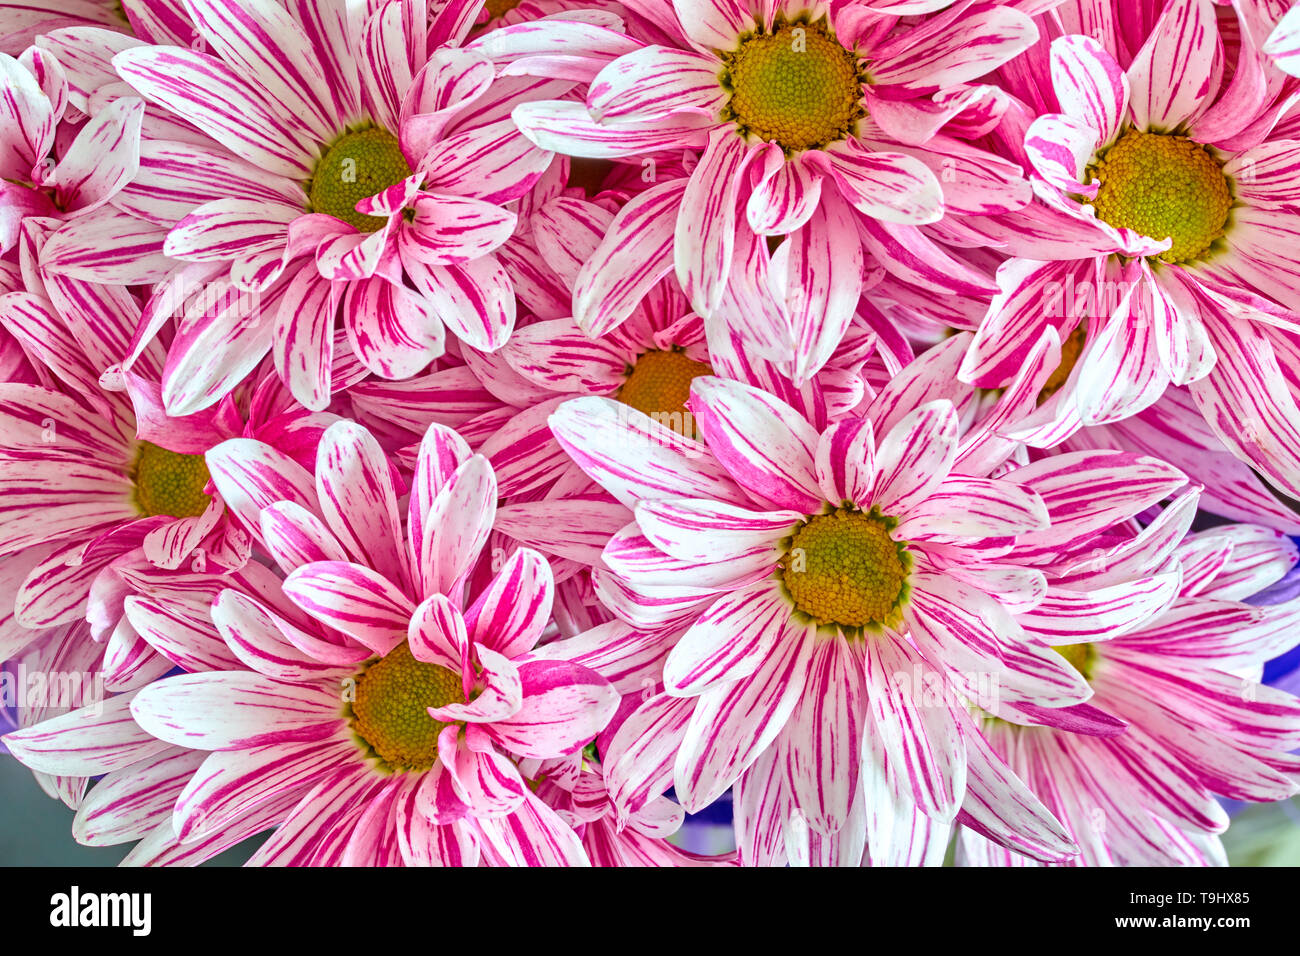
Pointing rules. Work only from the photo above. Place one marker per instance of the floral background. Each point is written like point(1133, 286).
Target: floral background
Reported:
point(650, 432)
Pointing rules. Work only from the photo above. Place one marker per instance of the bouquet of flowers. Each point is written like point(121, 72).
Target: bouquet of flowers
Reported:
point(449, 432)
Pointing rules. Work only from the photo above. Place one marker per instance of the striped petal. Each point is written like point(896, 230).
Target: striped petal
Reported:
point(712, 532)
point(655, 82)
point(915, 457)
point(1170, 76)
point(729, 641)
point(512, 613)
point(96, 739)
point(354, 485)
point(766, 445)
point(354, 600)
point(564, 707)
point(235, 711)
point(914, 736)
point(1089, 84)
point(635, 458)
point(734, 723)
point(214, 97)
point(706, 226)
point(824, 736)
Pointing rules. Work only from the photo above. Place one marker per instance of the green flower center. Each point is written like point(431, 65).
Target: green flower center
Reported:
point(390, 712)
point(659, 385)
point(356, 167)
point(1164, 186)
point(843, 568)
point(797, 86)
point(169, 483)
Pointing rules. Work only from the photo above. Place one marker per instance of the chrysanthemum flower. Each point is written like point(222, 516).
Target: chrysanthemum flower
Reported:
point(1180, 686)
point(362, 164)
point(781, 100)
point(382, 710)
point(92, 474)
point(649, 360)
point(1168, 219)
point(809, 569)
point(93, 160)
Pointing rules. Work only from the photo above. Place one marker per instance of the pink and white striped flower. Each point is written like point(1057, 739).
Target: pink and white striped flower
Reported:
point(804, 571)
point(356, 165)
point(814, 122)
point(55, 163)
point(377, 704)
point(92, 476)
point(1179, 689)
point(1161, 250)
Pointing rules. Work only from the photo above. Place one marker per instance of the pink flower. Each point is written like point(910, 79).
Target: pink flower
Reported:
point(346, 170)
point(95, 476)
point(801, 572)
point(378, 709)
point(812, 125)
point(93, 160)
point(1178, 686)
point(1161, 249)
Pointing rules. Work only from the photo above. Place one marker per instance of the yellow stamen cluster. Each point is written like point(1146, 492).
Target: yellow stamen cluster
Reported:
point(659, 385)
point(1164, 186)
point(390, 712)
point(169, 483)
point(356, 167)
point(844, 568)
point(796, 86)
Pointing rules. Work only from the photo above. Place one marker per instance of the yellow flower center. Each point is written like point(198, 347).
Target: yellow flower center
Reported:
point(169, 483)
point(390, 712)
point(659, 385)
point(356, 167)
point(843, 568)
point(1164, 186)
point(797, 86)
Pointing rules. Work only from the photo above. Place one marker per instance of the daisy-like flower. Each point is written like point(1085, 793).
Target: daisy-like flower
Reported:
point(92, 474)
point(807, 569)
point(381, 709)
point(649, 360)
point(1162, 252)
point(801, 113)
point(1180, 687)
point(358, 165)
point(93, 160)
